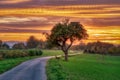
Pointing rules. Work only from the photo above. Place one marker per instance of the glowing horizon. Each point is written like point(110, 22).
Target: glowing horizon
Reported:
point(100, 20)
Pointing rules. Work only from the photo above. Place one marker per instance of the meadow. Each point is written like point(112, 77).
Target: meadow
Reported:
point(79, 67)
point(85, 67)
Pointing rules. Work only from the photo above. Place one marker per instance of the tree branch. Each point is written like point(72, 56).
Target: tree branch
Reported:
point(71, 40)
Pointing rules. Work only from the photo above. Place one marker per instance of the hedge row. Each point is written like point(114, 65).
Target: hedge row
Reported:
point(19, 53)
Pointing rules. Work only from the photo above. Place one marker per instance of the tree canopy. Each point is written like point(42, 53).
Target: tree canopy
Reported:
point(64, 33)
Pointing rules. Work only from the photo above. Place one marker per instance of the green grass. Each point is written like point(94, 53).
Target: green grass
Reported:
point(52, 52)
point(86, 67)
point(55, 70)
point(7, 64)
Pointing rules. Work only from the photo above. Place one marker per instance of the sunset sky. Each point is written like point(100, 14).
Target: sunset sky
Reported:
point(21, 18)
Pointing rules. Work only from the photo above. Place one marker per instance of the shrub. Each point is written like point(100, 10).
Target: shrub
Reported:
point(39, 52)
point(18, 53)
point(35, 52)
point(15, 54)
point(31, 53)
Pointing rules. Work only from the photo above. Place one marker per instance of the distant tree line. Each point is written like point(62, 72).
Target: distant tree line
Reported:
point(3, 45)
point(102, 48)
point(32, 42)
point(98, 48)
point(92, 47)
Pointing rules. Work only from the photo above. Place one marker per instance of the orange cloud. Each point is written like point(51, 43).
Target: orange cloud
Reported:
point(19, 36)
point(101, 21)
point(81, 11)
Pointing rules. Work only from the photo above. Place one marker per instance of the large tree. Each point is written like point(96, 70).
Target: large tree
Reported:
point(65, 33)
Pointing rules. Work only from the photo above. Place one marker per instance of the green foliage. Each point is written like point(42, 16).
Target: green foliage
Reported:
point(19, 53)
point(88, 67)
point(35, 52)
point(62, 32)
point(14, 54)
point(55, 71)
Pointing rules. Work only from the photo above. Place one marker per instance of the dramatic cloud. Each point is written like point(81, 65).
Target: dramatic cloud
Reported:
point(31, 17)
point(80, 11)
point(36, 3)
point(12, 1)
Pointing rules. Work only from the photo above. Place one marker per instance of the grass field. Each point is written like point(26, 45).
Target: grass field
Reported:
point(7, 64)
point(85, 67)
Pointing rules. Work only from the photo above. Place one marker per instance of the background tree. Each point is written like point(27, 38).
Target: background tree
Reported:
point(32, 42)
point(0, 43)
point(5, 46)
point(19, 46)
point(64, 33)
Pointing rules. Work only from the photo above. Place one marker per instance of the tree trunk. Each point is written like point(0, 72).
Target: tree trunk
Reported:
point(66, 55)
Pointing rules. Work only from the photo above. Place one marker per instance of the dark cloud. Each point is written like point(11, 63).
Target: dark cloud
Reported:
point(36, 3)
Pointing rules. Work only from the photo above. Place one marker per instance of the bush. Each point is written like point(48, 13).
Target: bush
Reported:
point(18, 53)
point(15, 54)
point(35, 52)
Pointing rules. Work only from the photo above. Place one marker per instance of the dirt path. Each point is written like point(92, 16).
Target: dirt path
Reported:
point(29, 70)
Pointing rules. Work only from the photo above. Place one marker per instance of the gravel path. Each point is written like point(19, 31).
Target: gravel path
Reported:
point(29, 70)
